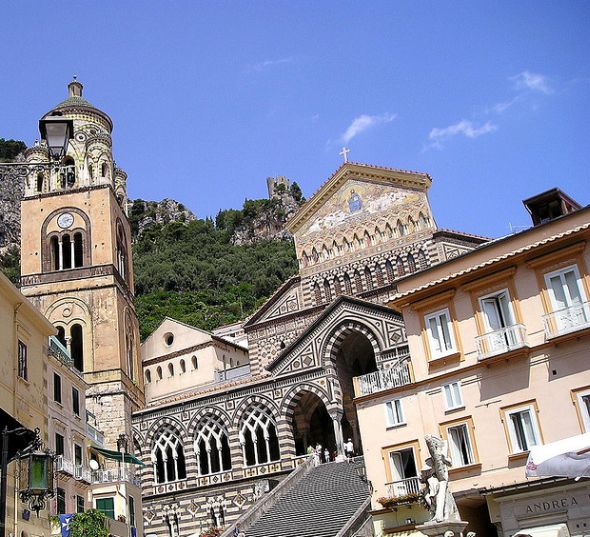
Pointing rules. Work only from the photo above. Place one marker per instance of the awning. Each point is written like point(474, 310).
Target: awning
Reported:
point(16, 442)
point(117, 456)
point(565, 458)
point(555, 530)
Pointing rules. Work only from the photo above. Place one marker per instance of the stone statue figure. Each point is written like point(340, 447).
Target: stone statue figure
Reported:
point(437, 495)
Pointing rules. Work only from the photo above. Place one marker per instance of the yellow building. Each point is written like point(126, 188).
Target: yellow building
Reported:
point(24, 334)
point(498, 339)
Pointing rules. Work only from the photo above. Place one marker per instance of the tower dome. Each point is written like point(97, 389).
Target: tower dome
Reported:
point(76, 104)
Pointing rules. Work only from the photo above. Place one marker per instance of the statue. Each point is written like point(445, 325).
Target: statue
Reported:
point(437, 495)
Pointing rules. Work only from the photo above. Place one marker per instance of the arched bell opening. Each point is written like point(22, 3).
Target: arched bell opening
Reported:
point(312, 424)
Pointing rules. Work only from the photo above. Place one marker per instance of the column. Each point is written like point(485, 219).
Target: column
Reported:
point(73, 263)
point(61, 254)
point(336, 417)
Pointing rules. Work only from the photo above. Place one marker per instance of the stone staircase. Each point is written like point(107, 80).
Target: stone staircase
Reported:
point(328, 501)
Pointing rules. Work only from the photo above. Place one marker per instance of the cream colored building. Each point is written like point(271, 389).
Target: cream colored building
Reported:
point(177, 357)
point(24, 334)
point(499, 346)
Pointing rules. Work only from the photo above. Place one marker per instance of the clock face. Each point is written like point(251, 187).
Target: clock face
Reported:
point(65, 220)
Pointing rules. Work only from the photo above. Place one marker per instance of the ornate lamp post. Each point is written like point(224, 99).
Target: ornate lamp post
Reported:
point(35, 468)
point(56, 132)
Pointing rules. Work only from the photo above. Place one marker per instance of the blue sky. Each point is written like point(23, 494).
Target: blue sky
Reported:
point(210, 98)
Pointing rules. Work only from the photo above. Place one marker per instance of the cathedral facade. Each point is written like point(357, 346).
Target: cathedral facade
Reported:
point(215, 443)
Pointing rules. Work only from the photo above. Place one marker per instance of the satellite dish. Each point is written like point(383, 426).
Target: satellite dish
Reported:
point(94, 464)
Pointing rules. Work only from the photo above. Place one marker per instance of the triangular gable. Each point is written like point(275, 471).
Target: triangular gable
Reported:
point(286, 299)
point(306, 352)
point(184, 336)
point(359, 172)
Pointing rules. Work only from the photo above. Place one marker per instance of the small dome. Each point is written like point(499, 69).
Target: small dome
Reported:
point(75, 101)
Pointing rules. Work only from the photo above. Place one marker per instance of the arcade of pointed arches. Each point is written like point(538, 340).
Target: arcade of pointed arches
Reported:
point(363, 238)
point(311, 412)
point(371, 276)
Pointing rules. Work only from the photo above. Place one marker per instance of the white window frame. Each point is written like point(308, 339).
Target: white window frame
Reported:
point(397, 411)
point(584, 410)
point(469, 443)
point(436, 315)
point(574, 268)
point(496, 294)
point(452, 403)
point(512, 433)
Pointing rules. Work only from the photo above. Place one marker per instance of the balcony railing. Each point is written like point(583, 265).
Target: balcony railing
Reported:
point(57, 349)
point(115, 475)
point(410, 485)
point(501, 341)
point(67, 466)
point(233, 373)
point(383, 379)
point(567, 320)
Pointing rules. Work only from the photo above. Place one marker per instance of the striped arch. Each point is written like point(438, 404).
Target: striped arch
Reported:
point(166, 421)
point(291, 399)
point(210, 410)
point(246, 403)
point(334, 341)
point(138, 441)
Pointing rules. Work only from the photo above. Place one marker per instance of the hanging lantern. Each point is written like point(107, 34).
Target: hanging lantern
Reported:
point(36, 478)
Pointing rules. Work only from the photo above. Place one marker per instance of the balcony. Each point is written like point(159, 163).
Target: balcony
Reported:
point(404, 488)
point(383, 379)
point(57, 349)
point(501, 341)
point(233, 373)
point(92, 431)
point(567, 320)
point(114, 476)
point(67, 466)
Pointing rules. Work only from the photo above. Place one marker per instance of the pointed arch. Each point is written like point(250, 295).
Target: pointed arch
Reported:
point(411, 263)
point(422, 260)
point(212, 445)
point(317, 293)
point(379, 275)
point(314, 255)
point(258, 435)
point(358, 282)
point(337, 286)
point(388, 231)
point(327, 290)
point(367, 238)
point(168, 456)
point(422, 221)
point(389, 271)
point(411, 226)
point(347, 284)
point(399, 266)
point(368, 278)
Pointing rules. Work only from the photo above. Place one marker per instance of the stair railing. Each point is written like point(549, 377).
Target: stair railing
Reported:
point(252, 515)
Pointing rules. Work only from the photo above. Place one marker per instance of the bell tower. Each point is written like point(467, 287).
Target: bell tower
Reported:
point(76, 261)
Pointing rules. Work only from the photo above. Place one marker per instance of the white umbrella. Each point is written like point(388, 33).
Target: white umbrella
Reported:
point(569, 457)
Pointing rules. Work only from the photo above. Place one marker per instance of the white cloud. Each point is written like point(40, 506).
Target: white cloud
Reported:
point(267, 64)
point(532, 81)
point(364, 122)
point(464, 127)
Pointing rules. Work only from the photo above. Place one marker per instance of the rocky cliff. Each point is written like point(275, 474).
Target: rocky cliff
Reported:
point(11, 191)
point(265, 219)
point(144, 214)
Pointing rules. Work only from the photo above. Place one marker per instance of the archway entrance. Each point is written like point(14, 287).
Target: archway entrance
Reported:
point(353, 356)
point(312, 424)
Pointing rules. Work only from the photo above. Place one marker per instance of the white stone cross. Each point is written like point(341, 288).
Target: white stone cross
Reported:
point(344, 153)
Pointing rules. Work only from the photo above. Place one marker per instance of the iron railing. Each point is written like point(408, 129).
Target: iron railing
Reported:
point(383, 379)
point(567, 320)
point(501, 341)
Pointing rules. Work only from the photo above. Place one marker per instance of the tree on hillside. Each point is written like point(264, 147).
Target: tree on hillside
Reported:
point(9, 149)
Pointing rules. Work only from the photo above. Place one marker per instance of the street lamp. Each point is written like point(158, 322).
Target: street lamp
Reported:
point(56, 131)
point(35, 468)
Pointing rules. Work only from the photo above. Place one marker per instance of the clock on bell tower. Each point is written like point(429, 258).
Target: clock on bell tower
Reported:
point(76, 262)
